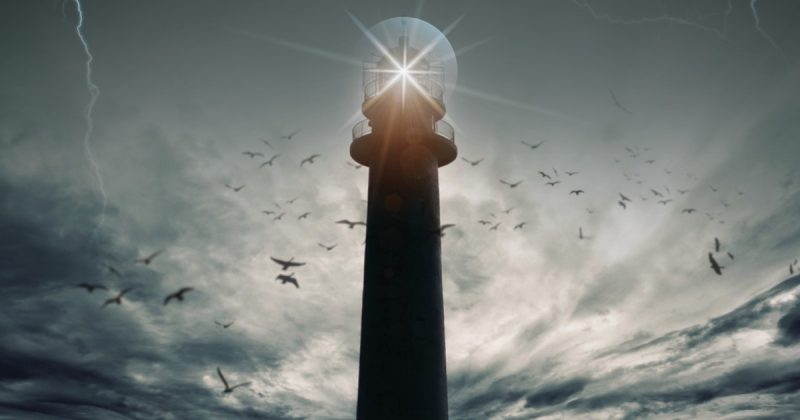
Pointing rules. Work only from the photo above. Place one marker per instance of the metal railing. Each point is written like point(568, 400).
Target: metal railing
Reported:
point(361, 129)
point(442, 128)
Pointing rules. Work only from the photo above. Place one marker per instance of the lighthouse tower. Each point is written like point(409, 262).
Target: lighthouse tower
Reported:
point(403, 141)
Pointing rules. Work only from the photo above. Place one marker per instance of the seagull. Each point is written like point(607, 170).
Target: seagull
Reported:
point(545, 175)
point(484, 222)
point(619, 105)
point(265, 141)
point(279, 217)
point(623, 197)
point(651, 161)
point(235, 189)
point(730, 256)
point(288, 279)
point(713, 188)
point(508, 210)
point(656, 193)
point(90, 286)
point(304, 215)
point(349, 223)
point(716, 244)
point(177, 295)
point(290, 135)
point(226, 326)
point(353, 164)
point(267, 212)
point(791, 269)
point(327, 248)
point(495, 226)
point(117, 299)
point(580, 233)
point(520, 225)
point(683, 191)
point(555, 171)
point(622, 204)
point(576, 192)
point(552, 183)
point(441, 230)
point(270, 161)
point(286, 264)
point(114, 271)
point(290, 202)
point(532, 146)
point(309, 159)
point(688, 211)
point(229, 389)
point(572, 173)
point(714, 266)
point(510, 184)
point(253, 154)
point(664, 202)
point(149, 259)
point(471, 162)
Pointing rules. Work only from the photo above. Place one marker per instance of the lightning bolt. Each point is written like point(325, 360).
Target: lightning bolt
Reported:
point(762, 31)
point(94, 93)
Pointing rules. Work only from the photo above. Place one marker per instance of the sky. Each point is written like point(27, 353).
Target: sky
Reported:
point(628, 322)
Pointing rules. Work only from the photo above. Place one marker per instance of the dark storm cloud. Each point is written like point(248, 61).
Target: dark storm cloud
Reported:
point(789, 326)
point(555, 393)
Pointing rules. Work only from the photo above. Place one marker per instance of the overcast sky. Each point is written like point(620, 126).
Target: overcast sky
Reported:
point(628, 322)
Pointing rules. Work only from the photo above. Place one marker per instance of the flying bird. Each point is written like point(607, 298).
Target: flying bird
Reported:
point(149, 259)
point(265, 141)
point(229, 389)
point(114, 271)
point(290, 202)
point(309, 159)
point(730, 256)
point(304, 215)
point(572, 173)
point(619, 105)
point(473, 162)
point(235, 189)
point(622, 204)
point(555, 171)
point(545, 175)
point(279, 217)
point(576, 192)
point(664, 202)
point(226, 326)
point(623, 197)
point(520, 225)
point(532, 146)
point(484, 222)
point(286, 264)
point(714, 266)
point(552, 183)
point(353, 165)
point(290, 135)
point(714, 189)
point(253, 154)
point(656, 193)
point(177, 295)
point(508, 210)
point(349, 223)
point(688, 211)
point(580, 233)
point(716, 244)
point(284, 278)
point(441, 230)
point(510, 184)
point(118, 298)
point(267, 212)
point(327, 248)
point(495, 226)
point(270, 161)
point(683, 191)
point(90, 287)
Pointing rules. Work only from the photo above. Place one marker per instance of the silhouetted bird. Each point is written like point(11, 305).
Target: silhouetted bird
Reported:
point(253, 154)
point(664, 202)
point(545, 175)
point(508, 210)
point(716, 244)
point(713, 188)
point(683, 191)
point(290, 202)
point(441, 229)
point(511, 184)
point(651, 161)
point(473, 162)
point(267, 212)
point(90, 287)
point(177, 295)
point(117, 299)
point(714, 266)
point(265, 141)
point(290, 135)
point(532, 146)
point(580, 233)
point(623, 197)
point(149, 259)
point(304, 215)
point(349, 223)
point(552, 183)
point(229, 389)
point(224, 325)
point(114, 271)
point(791, 269)
point(279, 217)
point(688, 211)
point(484, 222)
point(619, 105)
point(572, 173)
point(270, 161)
point(622, 204)
point(576, 192)
point(354, 165)
point(286, 264)
point(555, 171)
point(730, 256)
point(284, 278)
point(327, 248)
point(520, 225)
point(235, 189)
point(309, 159)
point(656, 193)
point(495, 226)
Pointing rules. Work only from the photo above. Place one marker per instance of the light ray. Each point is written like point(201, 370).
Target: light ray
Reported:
point(516, 104)
point(375, 41)
point(94, 93)
point(340, 58)
point(425, 50)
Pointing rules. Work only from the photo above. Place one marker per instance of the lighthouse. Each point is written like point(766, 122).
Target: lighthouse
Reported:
point(404, 142)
